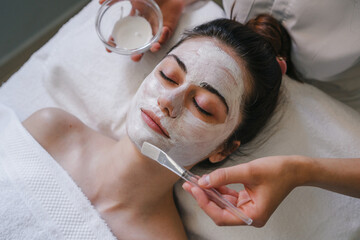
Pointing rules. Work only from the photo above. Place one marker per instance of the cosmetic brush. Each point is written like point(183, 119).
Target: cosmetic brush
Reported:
point(162, 158)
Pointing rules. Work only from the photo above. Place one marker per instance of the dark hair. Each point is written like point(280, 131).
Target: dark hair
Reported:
point(275, 33)
point(257, 44)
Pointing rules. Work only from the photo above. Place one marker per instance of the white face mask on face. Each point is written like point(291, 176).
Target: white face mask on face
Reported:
point(191, 139)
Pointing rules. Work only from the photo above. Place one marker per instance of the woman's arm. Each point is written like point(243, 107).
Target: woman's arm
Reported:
point(269, 180)
point(337, 175)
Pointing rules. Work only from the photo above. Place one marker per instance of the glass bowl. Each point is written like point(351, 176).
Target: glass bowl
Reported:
point(129, 27)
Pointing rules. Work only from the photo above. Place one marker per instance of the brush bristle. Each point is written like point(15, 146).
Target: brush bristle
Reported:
point(150, 151)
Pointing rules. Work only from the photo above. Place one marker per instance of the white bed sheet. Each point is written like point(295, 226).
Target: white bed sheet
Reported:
point(74, 72)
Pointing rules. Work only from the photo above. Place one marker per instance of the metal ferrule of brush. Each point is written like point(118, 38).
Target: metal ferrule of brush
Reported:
point(189, 176)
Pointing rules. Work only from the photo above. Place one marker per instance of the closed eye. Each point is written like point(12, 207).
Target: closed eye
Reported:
point(162, 74)
point(200, 109)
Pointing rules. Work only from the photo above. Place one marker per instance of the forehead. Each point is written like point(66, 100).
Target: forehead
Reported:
point(207, 57)
point(207, 61)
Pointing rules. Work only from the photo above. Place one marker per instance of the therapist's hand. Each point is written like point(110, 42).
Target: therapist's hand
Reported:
point(171, 10)
point(267, 182)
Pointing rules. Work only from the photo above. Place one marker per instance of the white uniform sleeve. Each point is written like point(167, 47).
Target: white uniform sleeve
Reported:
point(325, 33)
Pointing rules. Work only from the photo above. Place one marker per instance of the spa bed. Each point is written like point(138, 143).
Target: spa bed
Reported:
point(74, 72)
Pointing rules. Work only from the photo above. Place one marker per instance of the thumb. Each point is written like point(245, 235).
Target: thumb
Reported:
point(224, 176)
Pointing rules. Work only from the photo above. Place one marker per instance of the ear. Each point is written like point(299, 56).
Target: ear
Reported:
point(222, 153)
point(282, 64)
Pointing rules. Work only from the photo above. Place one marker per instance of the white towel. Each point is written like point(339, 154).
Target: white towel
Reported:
point(38, 199)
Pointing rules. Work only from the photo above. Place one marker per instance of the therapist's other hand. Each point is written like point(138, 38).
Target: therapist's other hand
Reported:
point(267, 181)
point(171, 11)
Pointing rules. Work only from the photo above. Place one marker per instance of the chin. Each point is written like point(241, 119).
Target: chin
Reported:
point(139, 135)
point(131, 134)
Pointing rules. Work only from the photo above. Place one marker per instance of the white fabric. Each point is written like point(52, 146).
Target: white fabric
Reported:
point(38, 199)
point(325, 33)
point(74, 72)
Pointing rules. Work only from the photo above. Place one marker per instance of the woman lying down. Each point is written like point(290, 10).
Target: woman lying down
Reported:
point(213, 92)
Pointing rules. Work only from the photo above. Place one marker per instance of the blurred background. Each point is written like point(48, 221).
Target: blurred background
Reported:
point(26, 25)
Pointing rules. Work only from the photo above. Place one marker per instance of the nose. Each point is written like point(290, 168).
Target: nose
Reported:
point(171, 103)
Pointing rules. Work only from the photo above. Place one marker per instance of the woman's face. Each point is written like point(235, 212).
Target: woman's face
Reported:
point(190, 103)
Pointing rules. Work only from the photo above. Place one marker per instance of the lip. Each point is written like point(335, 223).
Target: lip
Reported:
point(153, 122)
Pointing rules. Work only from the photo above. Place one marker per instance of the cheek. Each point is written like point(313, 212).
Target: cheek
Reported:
point(192, 140)
point(150, 88)
point(189, 129)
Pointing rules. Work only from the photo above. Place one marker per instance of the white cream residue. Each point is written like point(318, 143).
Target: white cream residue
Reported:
point(132, 32)
point(191, 139)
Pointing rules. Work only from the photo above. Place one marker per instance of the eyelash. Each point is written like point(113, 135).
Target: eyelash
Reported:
point(200, 109)
point(194, 101)
point(167, 79)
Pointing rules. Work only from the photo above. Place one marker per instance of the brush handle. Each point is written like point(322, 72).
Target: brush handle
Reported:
point(216, 197)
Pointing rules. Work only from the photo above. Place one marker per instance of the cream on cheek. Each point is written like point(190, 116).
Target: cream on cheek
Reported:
point(192, 139)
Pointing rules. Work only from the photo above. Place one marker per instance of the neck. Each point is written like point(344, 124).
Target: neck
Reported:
point(126, 178)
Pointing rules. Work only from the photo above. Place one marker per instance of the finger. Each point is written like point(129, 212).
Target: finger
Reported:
point(172, 11)
point(233, 200)
point(243, 198)
point(200, 196)
point(165, 35)
point(155, 47)
point(228, 191)
point(133, 11)
point(136, 57)
point(225, 176)
point(232, 197)
point(101, 1)
point(220, 216)
point(187, 187)
point(111, 42)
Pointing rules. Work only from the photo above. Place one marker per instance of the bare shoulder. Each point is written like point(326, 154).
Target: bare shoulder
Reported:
point(49, 125)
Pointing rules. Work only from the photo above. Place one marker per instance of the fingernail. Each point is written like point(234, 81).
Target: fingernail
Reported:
point(193, 194)
point(204, 180)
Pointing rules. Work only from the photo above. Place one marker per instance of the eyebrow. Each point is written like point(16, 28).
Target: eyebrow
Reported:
point(204, 85)
point(208, 87)
point(179, 62)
